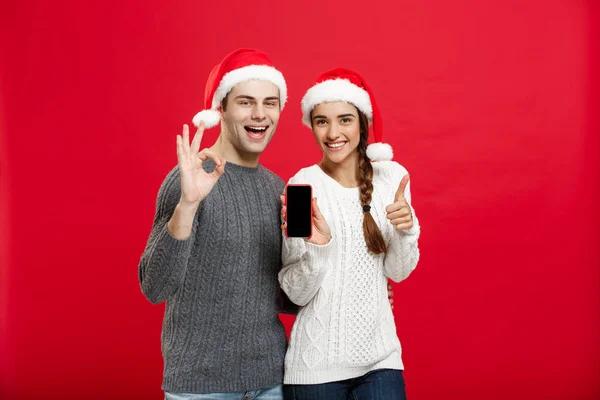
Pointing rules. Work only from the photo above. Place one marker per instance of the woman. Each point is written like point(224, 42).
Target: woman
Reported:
point(343, 343)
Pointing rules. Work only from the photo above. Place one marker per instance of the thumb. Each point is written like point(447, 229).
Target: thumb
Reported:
point(315, 209)
point(219, 170)
point(402, 187)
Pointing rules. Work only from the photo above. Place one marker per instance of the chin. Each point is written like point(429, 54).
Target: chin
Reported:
point(336, 159)
point(256, 148)
point(343, 158)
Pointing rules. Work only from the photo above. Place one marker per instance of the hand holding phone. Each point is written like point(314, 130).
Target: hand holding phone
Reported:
point(302, 217)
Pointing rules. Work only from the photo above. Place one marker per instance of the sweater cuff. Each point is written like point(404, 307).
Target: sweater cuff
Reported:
point(319, 251)
point(173, 245)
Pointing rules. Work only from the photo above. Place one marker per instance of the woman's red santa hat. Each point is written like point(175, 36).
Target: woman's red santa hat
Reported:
point(341, 84)
point(239, 66)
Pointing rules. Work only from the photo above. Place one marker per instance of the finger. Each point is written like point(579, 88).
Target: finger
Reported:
point(390, 287)
point(284, 225)
point(180, 152)
point(197, 138)
point(391, 300)
point(395, 206)
point(404, 220)
point(403, 212)
point(206, 154)
point(219, 170)
point(186, 138)
point(402, 187)
point(283, 207)
point(404, 227)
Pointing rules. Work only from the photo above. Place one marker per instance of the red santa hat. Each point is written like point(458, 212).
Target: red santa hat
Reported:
point(341, 84)
point(240, 65)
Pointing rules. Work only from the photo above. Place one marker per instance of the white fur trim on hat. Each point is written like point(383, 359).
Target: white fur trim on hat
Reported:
point(210, 117)
point(380, 152)
point(335, 90)
point(251, 72)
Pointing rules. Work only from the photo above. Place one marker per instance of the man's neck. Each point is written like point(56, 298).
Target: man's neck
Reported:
point(225, 150)
point(345, 173)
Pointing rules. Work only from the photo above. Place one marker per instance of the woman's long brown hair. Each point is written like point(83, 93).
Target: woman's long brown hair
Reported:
point(373, 237)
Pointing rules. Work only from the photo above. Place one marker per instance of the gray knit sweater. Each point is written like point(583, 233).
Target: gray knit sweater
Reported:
point(221, 331)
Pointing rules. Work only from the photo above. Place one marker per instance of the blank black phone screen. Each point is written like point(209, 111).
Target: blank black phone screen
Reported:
point(299, 210)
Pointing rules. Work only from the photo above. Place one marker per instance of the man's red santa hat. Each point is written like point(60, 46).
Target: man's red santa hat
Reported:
point(240, 65)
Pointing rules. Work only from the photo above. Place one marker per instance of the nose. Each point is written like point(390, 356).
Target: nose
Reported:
point(258, 112)
point(334, 131)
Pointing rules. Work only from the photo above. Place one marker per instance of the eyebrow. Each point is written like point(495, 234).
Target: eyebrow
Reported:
point(244, 96)
point(339, 116)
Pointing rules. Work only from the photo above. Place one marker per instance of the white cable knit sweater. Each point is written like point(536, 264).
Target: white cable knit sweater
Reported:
point(346, 327)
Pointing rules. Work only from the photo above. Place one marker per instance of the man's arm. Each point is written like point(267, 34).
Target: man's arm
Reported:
point(163, 264)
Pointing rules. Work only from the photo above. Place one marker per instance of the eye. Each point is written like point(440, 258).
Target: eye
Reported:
point(346, 120)
point(271, 103)
point(244, 103)
point(320, 122)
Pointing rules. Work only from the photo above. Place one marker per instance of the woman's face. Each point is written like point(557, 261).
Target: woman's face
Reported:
point(337, 130)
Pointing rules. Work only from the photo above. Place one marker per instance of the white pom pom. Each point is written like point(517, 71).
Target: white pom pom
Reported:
point(210, 117)
point(380, 152)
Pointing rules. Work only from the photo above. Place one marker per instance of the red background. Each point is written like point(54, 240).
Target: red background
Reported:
point(491, 105)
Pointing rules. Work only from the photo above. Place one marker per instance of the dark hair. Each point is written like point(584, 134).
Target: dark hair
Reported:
point(373, 237)
point(224, 102)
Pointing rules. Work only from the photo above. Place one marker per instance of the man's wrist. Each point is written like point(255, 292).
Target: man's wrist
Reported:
point(188, 207)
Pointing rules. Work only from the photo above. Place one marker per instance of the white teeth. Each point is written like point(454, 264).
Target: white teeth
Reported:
point(334, 145)
point(257, 128)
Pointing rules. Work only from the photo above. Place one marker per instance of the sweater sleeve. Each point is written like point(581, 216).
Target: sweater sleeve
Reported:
point(288, 307)
point(402, 253)
point(163, 263)
point(304, 266)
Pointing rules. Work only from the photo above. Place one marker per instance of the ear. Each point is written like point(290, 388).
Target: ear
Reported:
point(220, 110)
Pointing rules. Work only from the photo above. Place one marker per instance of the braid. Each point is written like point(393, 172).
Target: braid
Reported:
point(372, 233)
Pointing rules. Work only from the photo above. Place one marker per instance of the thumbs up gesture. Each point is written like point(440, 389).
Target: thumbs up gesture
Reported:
point(399, 212)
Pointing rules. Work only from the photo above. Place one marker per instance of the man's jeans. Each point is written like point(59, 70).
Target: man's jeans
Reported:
point(272, 393)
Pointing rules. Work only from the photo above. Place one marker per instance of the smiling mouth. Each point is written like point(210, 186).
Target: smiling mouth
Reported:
point(337, 146)
point(256, 132)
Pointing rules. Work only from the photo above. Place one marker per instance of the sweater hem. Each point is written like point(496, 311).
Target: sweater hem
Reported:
point(305, 377)
point(198, 386)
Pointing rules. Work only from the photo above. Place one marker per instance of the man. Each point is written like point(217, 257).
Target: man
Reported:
point(214, 251)
point(215, 247)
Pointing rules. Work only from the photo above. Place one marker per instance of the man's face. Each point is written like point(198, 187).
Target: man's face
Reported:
point(251, 114)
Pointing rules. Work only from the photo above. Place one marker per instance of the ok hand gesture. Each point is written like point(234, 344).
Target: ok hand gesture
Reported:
point(196, 183)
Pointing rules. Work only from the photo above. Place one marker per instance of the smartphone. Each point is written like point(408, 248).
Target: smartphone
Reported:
point(298, 200)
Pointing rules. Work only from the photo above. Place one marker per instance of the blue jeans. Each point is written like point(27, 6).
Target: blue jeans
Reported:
point(272, 393)
point(382, 384)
